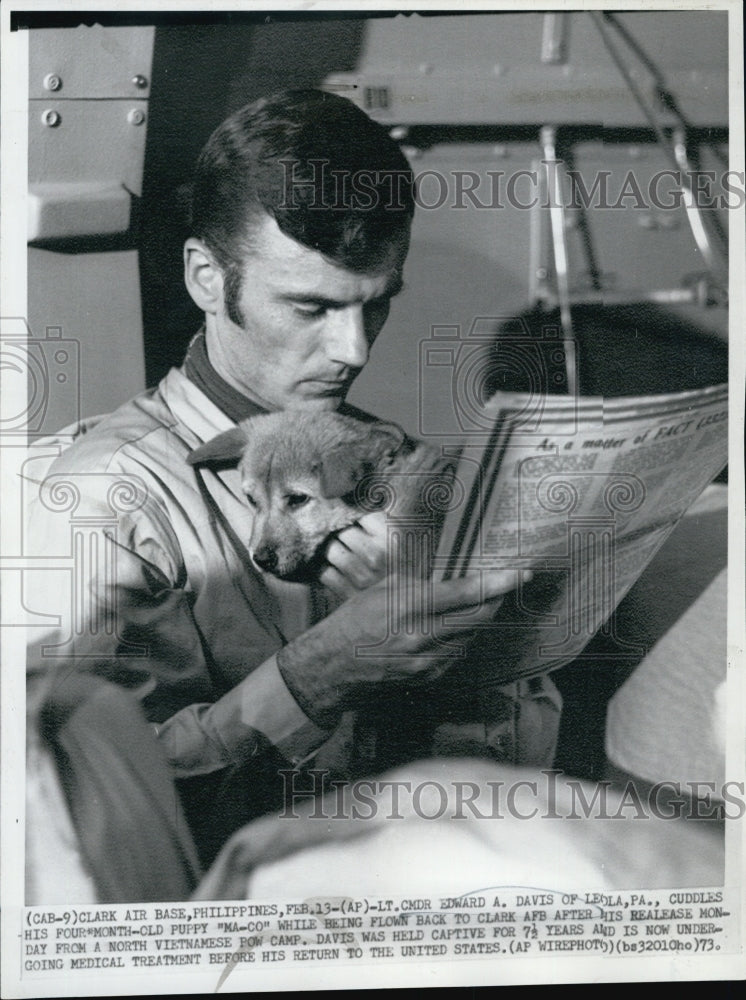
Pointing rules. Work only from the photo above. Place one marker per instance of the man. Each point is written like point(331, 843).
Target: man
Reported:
point(301, 219)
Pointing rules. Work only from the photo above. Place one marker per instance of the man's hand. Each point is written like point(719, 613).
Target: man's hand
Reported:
point(395, 630)
point(356, 556)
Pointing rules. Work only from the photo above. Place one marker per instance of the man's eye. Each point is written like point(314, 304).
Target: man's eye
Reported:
point(251, 500)
point(297, 499)
point(311, 312)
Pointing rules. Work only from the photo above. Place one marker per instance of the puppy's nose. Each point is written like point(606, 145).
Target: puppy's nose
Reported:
point(266, 559)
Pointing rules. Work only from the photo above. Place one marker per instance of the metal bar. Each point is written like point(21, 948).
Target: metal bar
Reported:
point(557, 220)
point(537, 271)
point(690, 202)
point(660, 296)
point(554, 38)
point(673, 150)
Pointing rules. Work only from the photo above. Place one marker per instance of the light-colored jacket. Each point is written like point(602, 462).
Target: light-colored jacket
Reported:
point(145, 579)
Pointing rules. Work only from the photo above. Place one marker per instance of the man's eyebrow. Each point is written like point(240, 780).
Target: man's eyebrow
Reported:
point(312, 300)
point(304, 298)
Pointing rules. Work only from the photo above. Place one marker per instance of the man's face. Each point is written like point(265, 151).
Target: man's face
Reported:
point(308, 323)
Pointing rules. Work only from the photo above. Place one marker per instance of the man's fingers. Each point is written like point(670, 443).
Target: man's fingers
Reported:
point(366, 540)
point(374, 524)
point(358, 554)
point(355, 547)
point(351, 565)
point(338, 584)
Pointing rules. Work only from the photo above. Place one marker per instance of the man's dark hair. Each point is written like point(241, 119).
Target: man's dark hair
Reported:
point(330, 176)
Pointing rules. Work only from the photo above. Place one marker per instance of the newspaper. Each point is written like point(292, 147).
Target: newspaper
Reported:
point(455, 873)
point(582, 492)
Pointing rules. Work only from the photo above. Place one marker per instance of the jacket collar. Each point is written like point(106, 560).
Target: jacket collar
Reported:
point(192, 408)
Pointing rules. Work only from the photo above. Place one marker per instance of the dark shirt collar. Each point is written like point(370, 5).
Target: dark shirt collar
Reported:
point(199, 371)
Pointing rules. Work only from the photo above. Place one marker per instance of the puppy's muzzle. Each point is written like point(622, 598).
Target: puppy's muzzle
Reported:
point(293, 570)
point(266, 558)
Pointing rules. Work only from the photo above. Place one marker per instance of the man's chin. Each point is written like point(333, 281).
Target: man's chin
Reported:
point(317, 404)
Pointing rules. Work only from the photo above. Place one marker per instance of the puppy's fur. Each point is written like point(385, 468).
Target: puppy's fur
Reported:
point(310, 475)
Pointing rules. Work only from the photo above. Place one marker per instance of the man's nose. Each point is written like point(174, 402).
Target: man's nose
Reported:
point(346, 339)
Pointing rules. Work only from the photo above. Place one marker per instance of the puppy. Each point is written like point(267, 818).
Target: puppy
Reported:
point(307, 476)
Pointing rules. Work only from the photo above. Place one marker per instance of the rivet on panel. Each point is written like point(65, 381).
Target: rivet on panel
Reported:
point(51, 118)
point(52, 81)
point(140, 81)
point(136, 116)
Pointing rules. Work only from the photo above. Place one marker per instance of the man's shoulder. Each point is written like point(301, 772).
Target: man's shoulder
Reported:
point(144, 431)
point(126, 465)
point(101, 444)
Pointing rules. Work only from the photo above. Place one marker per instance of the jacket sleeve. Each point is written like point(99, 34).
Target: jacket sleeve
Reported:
point(109, 597)
point(204, 737)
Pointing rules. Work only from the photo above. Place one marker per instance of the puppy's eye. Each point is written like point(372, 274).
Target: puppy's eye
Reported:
point(297, 499)
point(250, 499)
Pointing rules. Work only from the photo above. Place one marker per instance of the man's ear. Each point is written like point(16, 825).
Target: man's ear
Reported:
point(202, 277)
point(226, 447)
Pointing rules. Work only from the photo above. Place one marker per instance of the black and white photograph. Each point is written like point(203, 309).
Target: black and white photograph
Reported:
point(372, 496)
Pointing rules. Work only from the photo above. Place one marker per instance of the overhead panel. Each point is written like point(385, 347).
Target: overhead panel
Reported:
point(88, 114)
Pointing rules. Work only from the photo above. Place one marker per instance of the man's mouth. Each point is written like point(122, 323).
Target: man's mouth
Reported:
point(327, 385)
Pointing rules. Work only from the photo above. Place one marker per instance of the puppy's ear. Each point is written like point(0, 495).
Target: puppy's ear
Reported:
point(226, 447)
point(341, 469)
point(385, 442)
point(343, 466)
